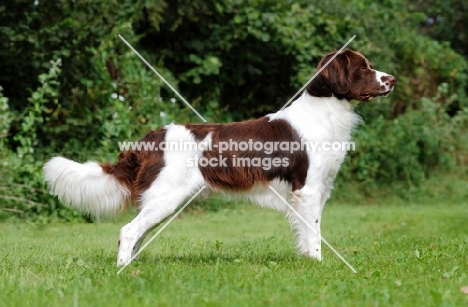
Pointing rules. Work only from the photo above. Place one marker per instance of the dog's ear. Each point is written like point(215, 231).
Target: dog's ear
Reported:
point(336, 73)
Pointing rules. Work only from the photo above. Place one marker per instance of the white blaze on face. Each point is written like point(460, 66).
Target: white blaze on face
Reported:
point(380, 77)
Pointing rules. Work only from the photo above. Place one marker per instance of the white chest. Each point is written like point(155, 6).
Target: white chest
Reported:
point(321, 119)
point(326, 125)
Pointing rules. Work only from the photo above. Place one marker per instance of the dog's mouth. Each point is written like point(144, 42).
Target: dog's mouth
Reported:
point(368, 96)
point(365, 97)
point(384, 94)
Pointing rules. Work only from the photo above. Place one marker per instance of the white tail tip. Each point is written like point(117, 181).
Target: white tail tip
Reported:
point(85, 187)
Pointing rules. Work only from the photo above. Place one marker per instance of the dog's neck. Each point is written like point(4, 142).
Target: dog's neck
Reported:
point(319, 88)
point(312, 102)
point(310, 110)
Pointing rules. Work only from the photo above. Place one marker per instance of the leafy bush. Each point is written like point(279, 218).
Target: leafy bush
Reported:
point(265, 50)
point(21, 183)
point(410, 147)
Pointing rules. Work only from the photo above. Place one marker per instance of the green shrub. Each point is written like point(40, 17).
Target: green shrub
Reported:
point(21, 183)
point(266, 50)
point(410, 147)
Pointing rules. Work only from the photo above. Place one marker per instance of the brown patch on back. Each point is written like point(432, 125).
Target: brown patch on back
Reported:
point(125, 170)
point(137, 169)
point(243, 177)
point(152, 162)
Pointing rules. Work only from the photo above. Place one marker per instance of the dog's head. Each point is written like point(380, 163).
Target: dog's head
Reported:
point(350, 76)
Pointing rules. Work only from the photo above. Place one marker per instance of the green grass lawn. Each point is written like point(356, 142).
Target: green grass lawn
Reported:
point(405, 255)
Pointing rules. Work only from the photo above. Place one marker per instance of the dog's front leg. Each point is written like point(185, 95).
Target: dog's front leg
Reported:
point(306, 221)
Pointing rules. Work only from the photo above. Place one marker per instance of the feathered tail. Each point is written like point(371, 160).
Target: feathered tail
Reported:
point(86, 187)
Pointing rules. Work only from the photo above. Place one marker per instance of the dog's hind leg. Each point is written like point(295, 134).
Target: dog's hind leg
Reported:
point(158, 203)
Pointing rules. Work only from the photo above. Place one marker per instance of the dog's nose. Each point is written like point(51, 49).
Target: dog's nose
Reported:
point(390, 80)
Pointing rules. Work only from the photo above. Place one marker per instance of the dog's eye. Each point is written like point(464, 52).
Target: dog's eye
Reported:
point(363, 68)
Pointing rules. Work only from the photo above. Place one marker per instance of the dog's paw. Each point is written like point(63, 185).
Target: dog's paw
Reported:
point(124, 259)
point(123, 262)
point(316, 254)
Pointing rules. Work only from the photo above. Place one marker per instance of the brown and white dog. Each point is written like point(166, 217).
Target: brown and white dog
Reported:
point(158, 181)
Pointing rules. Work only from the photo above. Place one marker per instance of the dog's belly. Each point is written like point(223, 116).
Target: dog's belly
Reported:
point(260, 194)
